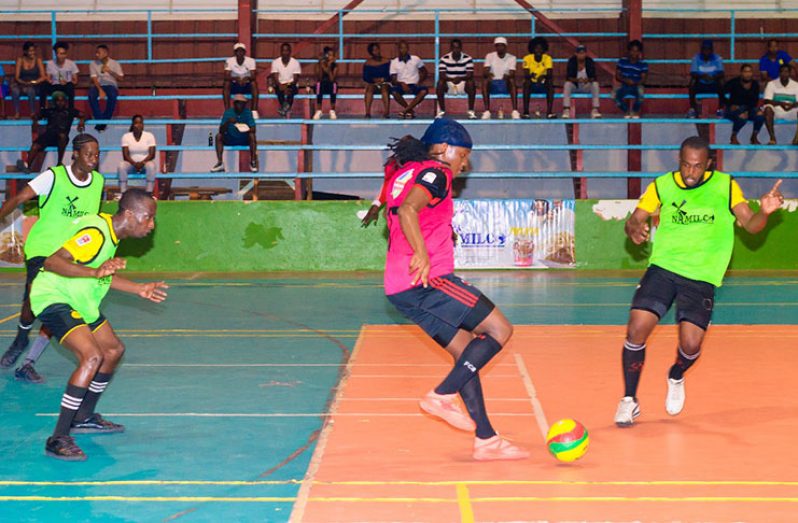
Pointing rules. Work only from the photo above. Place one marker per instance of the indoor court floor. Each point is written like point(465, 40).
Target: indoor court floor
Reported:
point(294, 397)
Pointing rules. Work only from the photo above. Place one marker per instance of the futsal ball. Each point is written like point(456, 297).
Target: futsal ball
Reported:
point(567, 440)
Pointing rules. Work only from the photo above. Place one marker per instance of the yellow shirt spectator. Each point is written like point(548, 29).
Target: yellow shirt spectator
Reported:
point(537, 70)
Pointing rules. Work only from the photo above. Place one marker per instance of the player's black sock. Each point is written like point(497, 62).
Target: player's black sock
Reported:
point(475, 405)
point(683, 362)
point(633, 358)
point(70, 403)
point(475, 356)
point(23, 331)
point(96, 388)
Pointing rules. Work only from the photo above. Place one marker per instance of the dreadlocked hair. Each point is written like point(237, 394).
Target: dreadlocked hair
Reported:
point(407, 149)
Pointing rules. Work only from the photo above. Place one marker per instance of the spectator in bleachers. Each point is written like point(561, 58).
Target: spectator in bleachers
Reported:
point(240, 76)
point(29, 75)
point(326, 71)
point(237, 129)
point(407, 76)
point(138, 155)
point(377, 75)
point(539, 75)
point(781, 101)
point(580, 77)
point(285, 79)
point(56, 132)
point(771, 61)
point(706, 77)
point(632, 73)
point(499, 77)
point(62, 75)
point(742, 101)
point(105, 74)
point(456, 76)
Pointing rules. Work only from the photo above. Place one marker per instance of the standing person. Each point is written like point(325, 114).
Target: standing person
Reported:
point(742, 101)
point(138, 155)
point(781, 101)
point(62, 74)
point(29, 76)
point(56, 132)
point(377, 76)
point(539, 75)
point(64, 194)
point(105, 75)
point(407, 76)
point(326, 71)
point(237, 129)
point(420, 280)
point(285, 79)
point(695, 238)
point(67, 297)
point(632, 73)
point(240, 76)
point(706, 77)
point(772, 60)
point(499, 77)
point(580, 77)
point(456, 76)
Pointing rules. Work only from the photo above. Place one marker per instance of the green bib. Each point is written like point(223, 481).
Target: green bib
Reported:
point(82, 294)
point(59, 208)
point(695, 237)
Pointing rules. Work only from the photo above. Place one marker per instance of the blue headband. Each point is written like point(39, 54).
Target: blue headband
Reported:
point(444, 130)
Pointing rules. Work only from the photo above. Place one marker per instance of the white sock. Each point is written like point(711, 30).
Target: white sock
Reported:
point(36, 350)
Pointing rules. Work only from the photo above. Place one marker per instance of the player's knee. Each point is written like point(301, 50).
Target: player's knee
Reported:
point(690, 347)
point(92, 361)
point(501, 332)
point(116, 350)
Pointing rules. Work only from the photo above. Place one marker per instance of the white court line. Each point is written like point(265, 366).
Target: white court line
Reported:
point(275, 414)
point(543, 425)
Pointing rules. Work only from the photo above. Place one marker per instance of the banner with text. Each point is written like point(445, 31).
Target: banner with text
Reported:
point(505, 234)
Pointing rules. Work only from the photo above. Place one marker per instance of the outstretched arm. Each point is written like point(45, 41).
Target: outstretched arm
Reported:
point(769, 203)
point(153, 291)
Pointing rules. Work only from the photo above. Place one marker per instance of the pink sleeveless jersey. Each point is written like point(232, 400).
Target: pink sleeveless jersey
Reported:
point(435, 221)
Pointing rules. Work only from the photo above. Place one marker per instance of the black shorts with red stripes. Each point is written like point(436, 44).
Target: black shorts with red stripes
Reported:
point(445, 306)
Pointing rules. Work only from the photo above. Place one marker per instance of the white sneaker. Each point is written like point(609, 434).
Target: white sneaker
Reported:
point(317, 115)
point(486, 115)
point(566, 113)
point(674, 401)
point(440, 114)
point(628, 410)
point(218, 168)
point(515, 115)
point(255, 115)
point(333, 116)
point(472, 115)
point(595, 113)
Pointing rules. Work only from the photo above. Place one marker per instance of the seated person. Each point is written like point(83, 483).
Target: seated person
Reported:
point(377, 75)
point(781, 101)
point(499, 77)
point(285, 79)
point(138, 155)
point(237, 129)
point(407, 75)
point(580, 78)
point(742, 101)
point(62, 75)
point(706, 77)
point(456, 76)
point(240, 76)
point(539, 75)
point(56, 132)
point(771, 61)
point(631, 72)
point(326, 70)
point(105, 75)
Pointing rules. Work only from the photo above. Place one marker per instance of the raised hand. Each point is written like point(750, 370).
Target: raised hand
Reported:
point(771, 201)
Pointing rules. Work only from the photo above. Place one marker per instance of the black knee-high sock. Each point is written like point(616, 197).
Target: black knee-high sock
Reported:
point(633, 358)
point(70, 403)
point(23, 331)
point(96, 388)
point(683, 362)
point(475, 405)
point(475, 356)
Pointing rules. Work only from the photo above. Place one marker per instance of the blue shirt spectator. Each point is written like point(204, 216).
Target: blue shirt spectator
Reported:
point(234, 132)
point(712, 66)
point(771, 61)
point(633, 71)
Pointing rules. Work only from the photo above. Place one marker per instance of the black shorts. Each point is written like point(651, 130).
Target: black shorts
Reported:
point(33, 267)
point(659, 287)
point(447, 305)
point(49, 138)
point(61, 319)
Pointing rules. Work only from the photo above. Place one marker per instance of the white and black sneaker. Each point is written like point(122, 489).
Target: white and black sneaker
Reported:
point(218, 168)
point(628, 410)
point(674, 401)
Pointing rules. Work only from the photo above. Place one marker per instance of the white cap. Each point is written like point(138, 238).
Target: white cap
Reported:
point(239, 45)
point(500, 40)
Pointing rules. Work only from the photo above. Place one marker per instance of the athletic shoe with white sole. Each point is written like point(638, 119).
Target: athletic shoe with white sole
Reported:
point(333, 116)
point(445, 407)
point(486, 115)
point(496, 449)
point(628, 410)
point(65, 448)
point(96, 424)
point(515, 115)
point(674, 401)
point(472, 115)
point(317, 115)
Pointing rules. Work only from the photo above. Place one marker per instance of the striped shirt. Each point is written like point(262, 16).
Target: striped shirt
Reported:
point(632, 71)
point(456, 68)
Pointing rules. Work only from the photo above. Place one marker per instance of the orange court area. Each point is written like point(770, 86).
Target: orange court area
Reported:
point(729, 456)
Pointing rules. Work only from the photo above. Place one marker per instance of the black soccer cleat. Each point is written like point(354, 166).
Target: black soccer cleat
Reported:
point(28, 374)
point(64, 448)
point(96, 424)
point(14, 351)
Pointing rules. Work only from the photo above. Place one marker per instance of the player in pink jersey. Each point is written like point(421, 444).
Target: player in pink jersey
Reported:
point(374, 211)
point(420, 280)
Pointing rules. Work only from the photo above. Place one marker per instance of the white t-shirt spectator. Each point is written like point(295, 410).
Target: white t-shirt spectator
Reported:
point(406, 71)
point(777, 92)
point(244, 70)
point(95, 71)
point(500, 66)
point(138, 150)
point(68, 71)
point(43, 183)
point(286, 72)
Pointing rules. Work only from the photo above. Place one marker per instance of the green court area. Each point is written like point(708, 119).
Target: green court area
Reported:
point(225, 387)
